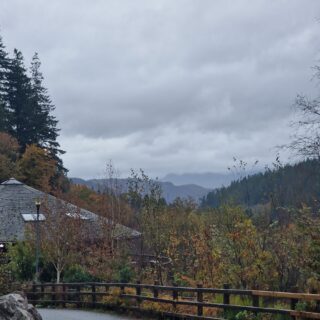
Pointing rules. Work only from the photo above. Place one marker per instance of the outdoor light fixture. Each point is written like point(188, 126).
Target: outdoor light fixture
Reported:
point(38, 204)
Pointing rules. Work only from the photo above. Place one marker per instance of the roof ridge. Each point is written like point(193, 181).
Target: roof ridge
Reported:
point(12, 181)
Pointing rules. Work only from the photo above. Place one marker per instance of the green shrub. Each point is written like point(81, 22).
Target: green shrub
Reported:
point(22, 261)
point(76, 273)
point(5, 279)
point(245, 315)
point(125, 274)
point(48, 272)
point(301, 306)
point(180, 280)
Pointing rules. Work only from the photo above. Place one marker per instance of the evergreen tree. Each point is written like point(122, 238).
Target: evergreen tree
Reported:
point(4, 70)
point(3, 124)
point(44, 122)
point(282, 186)
point(21, 121)
point(26, 109)
point(30, 107)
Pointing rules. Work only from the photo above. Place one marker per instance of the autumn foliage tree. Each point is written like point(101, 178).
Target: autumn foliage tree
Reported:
point(145, 196)
point(9, 153)
point(62, 234)
point(37, 168)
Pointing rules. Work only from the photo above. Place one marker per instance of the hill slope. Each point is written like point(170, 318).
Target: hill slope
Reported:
point(169, 190)
point(289, 185)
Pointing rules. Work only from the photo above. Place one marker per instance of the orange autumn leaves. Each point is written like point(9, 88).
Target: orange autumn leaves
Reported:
point(34, 165)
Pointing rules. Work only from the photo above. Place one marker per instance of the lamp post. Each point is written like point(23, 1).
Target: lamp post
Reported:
point(37, 203)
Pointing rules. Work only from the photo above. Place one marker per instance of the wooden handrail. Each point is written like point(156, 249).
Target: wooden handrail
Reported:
point(54, 295)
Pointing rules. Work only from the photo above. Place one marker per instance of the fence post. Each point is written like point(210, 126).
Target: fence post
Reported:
point(155, 289)
point(138, 291)
point(174, 295)
point(313, 291)
point(42, 292)
point(200, 299)
point(64, 295)
point(293, 302)
point(255, 301)
point(122, 289)
point(93, 290)
point(34, 296)
point(78, 288)
point(53, 295)
point(226, 296)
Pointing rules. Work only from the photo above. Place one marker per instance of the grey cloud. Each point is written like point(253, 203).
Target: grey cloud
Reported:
point(168, 85)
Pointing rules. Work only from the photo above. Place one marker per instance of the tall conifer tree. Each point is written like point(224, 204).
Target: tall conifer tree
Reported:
point(26, 108)
point(4, 70)
point(3, 118)
point(45, 122)
point(19, 97)
point(30, 107)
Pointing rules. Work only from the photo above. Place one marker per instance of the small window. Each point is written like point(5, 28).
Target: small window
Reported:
point(3, 248)
point(77, 215)
point(33, 217)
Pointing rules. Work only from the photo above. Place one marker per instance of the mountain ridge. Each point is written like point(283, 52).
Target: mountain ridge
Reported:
point(209, 180)
point(170, 191)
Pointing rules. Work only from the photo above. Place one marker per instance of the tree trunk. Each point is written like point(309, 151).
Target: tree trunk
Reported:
point(58, 276)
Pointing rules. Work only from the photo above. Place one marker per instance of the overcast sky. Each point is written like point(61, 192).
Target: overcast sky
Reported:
point(168, 85)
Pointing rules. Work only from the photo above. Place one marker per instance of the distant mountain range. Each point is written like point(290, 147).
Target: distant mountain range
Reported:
point(208, 180)
point(169, 190)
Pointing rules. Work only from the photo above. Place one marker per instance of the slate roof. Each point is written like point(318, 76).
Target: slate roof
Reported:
point(17, 198)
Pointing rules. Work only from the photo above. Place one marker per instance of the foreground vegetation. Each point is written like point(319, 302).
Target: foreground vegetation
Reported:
point(273, 250)
point(262, 232)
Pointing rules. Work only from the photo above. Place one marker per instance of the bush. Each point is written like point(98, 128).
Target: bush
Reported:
point(48, 272)
point(182, 280)
point(5, 279)
point(245, 315)
point(76, 273)
point(125, 274)
point(22, 261)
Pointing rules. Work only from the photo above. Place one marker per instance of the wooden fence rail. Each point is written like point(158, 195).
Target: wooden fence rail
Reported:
point(201, 299)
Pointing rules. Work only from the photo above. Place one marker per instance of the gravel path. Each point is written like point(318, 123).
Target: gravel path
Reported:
point(62, 314)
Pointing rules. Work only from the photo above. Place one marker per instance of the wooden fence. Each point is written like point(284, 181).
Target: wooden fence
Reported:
point(202, 300)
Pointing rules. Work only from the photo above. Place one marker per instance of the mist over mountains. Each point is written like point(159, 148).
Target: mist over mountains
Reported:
point(210, 180)
point(195, 186)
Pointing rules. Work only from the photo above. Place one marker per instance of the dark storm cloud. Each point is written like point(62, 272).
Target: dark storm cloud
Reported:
point(168, 85)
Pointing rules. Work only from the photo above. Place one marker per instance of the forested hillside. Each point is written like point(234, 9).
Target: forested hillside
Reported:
point(29, 149)
point(283, 185)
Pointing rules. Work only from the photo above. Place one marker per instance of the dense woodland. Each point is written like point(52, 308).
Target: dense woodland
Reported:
point(282, 185)
point(263, 231)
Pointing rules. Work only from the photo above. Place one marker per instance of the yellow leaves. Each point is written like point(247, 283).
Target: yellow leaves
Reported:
point(8, 146)
point(36, 168)
point(9, 151)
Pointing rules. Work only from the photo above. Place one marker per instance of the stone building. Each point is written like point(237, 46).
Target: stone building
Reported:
point(18, 209)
